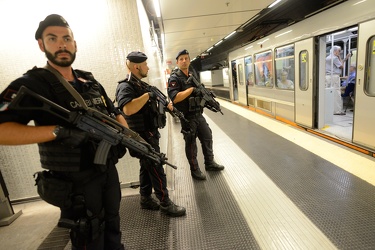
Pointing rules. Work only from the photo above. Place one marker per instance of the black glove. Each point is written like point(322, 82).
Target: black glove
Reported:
point(196, 92)
point(118, 151)
point(71, 137)
point(152, 95)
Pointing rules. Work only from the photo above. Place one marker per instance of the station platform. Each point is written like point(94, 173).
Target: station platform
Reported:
point(282, 188)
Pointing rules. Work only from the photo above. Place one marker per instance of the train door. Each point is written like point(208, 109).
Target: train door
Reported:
point(241, 86)
point(234, 80)
point(335, 112)
point(304, 101)
point(364, 96)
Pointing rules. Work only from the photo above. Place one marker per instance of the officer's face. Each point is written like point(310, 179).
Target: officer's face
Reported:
point(183, 62)
point(143, 69)
point(59, 46)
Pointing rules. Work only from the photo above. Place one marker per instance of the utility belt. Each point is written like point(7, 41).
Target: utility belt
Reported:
point(193, 115)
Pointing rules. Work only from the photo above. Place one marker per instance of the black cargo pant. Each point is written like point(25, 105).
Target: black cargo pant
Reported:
point(152, 175)
point(197, 127)
point(102, 196)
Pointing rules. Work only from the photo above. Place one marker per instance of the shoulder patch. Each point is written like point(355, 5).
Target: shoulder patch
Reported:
point(172, 83)
point(9, 94)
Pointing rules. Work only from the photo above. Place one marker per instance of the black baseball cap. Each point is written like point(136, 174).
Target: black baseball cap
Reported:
point(137, 57)
point(51, 20)
point(182, 52)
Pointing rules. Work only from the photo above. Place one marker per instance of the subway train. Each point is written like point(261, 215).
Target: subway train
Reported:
point(296, 55)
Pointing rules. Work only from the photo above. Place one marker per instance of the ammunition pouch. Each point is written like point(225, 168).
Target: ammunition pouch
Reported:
point(195, 104)
point(54, 190)
point(157, 115)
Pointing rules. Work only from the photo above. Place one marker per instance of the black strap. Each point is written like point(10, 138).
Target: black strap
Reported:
point(67, 85)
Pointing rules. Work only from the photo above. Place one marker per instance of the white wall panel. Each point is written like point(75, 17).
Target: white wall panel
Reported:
point(105, 31)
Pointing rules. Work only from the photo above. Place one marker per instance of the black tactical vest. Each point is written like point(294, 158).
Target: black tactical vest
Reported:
point(191, 105)
point(53, 155)
point(149, 117)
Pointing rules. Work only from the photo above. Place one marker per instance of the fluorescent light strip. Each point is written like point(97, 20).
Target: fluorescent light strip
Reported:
point(216, 44)
point(274, 3)
point(338, 33)
point(231, 34)
point(286, 32)
point(263, 41)
point(360, 2)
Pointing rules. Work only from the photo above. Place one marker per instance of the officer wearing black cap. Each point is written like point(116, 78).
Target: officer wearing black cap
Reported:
point(88, 194)
point(51, 20)
point(143, 115)
point(187, 100)
point(182, 52)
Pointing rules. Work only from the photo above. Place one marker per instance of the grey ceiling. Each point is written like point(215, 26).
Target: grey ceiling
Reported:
point(197, 25)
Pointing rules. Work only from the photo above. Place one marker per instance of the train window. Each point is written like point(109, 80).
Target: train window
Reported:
point(370, 72)
point(303, 70)
point(240, 74)
point(284, 65)
point(263, 69)
point(249, 71)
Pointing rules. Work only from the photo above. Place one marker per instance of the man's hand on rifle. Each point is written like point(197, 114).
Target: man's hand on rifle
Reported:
point(170, 106)
point(196, 92)
point(152, 95)
point(71, 137)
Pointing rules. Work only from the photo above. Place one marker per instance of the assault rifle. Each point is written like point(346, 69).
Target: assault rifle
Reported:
point(163, 101)
point(98, 125)
point(208, 97)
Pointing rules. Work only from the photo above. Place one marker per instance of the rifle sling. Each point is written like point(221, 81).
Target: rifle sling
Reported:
point(68, 86)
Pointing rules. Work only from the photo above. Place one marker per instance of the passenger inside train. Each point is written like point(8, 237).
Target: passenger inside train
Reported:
point(347, 88)
point(283, 82)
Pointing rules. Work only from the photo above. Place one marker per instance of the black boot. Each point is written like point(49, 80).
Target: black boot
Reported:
point(171, 209)
point(197, 174)
point(147, 202)
point(213, 166)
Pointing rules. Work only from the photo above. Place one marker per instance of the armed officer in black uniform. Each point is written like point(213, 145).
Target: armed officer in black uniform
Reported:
point(142, 114)
point(187, 100)
point(68, 152)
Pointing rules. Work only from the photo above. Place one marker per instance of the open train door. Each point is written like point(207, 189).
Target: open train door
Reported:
point(241, 83)
point(364, 103)
point(304, 89)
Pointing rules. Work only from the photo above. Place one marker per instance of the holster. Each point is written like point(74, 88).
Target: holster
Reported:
point(54, 190)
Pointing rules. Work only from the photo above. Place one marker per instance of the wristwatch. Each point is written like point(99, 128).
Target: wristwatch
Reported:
point(56, 130)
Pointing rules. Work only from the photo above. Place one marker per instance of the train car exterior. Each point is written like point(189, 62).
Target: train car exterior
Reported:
point(284, 74)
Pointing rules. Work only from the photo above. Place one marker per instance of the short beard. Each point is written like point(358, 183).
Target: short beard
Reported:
point(64, 63)
point(143, 74)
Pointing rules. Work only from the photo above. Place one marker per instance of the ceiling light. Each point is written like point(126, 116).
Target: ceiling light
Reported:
point(286, 32)
point(249, 21)
point(216, 44)
point(231, 34)
point(261, 42)
point(359, 2)
point(274, 3)
point(338, 33)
